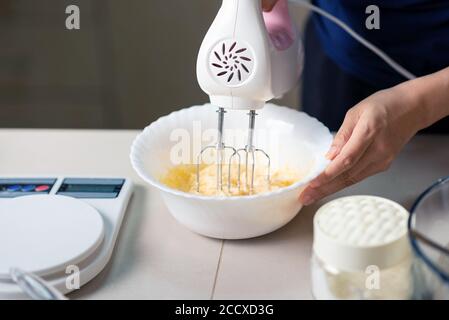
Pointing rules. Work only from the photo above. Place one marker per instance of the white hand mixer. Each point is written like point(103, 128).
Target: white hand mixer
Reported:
point(249, 57)
point(246, 59)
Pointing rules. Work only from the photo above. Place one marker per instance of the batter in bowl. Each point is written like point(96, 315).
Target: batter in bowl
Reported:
point(183, 178)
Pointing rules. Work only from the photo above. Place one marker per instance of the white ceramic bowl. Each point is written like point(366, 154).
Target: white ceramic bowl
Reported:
point(291, 138)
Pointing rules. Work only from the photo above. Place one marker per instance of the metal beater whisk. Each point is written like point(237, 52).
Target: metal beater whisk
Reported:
point(220, 148)
point(248, 150)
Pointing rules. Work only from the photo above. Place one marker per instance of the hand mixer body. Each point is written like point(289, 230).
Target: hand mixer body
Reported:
point(246, 59)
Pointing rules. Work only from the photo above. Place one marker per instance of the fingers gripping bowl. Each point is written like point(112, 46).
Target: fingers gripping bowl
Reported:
point(293, 139)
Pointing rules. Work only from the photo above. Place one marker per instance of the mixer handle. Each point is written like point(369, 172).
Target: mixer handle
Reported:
point(280, 27)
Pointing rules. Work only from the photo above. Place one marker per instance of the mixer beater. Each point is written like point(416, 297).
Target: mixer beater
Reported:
point(249, 151)
point(220, 148)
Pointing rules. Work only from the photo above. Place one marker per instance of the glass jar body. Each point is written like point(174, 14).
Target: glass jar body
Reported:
point(330, 283)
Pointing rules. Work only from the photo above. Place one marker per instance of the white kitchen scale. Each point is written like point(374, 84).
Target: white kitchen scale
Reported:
point(53, 226)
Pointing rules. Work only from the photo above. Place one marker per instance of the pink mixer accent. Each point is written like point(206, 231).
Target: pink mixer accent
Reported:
point(280, 26)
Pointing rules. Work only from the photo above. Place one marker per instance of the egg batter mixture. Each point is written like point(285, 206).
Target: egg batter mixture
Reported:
point(183, 178)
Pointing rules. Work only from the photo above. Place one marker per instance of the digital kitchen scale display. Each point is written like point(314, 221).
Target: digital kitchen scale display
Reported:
point(91, 188)
point(73, 187)
point(50, 225)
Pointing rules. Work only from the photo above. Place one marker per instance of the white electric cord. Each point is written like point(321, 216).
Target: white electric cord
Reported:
point(396, 66)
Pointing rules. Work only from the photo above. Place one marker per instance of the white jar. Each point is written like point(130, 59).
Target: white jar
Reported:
point(361, 250)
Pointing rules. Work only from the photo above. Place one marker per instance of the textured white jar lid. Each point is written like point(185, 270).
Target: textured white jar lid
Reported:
point(352, 233)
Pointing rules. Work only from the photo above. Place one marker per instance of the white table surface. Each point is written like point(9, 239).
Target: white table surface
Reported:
point(156, 258)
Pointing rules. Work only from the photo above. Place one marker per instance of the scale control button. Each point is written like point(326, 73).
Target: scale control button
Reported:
point(42, 188)
point(13, 188)
point(28, 188)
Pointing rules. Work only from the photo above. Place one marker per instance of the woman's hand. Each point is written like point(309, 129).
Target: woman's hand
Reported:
point(268, 5)
point(372, 134)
